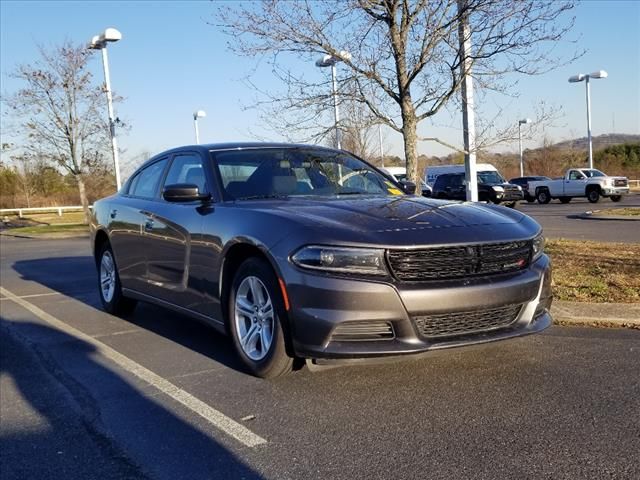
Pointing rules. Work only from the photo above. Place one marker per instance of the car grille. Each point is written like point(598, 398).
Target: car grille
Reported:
point(620, 182)
point(456, 262)
point(464, 323)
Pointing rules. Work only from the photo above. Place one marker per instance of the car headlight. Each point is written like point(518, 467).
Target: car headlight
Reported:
point(498, 188)
point(538, 247)
point(341, 259)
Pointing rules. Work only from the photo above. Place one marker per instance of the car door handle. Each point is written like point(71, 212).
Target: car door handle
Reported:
point(114, 213)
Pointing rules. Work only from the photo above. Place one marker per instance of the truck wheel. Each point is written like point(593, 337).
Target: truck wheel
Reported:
point(565, 199)
point(615, 198)
point(543, 196)
point(593, 195)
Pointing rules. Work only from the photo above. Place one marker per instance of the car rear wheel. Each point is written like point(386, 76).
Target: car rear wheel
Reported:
point(593, 195)
point(565, 199)
point(615, 198)
point(109, 287)
point(543, 196)
point(256, 312)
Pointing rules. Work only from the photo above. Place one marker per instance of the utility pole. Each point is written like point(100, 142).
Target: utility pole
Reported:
point(468, 112)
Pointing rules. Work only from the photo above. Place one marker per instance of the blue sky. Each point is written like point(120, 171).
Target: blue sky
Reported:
point(170, 62)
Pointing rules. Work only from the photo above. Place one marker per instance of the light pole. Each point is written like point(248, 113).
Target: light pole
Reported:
point(586, 77)
point(380, 141)
point(99, 42)
point(196, 115)
point(520, 123)
point(330, 61)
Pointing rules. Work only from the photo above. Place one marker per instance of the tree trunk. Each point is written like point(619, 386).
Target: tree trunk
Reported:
point(83, 199)
point(410, 137)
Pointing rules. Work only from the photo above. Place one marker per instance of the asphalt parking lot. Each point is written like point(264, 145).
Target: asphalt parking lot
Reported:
point(156, 395)
point(562, 221)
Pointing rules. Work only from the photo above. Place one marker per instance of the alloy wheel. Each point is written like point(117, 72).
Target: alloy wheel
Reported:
point(107, 276)
point(254, 318)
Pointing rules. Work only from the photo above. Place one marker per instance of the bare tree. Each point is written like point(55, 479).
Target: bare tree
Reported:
point(405, 57)
point(58, 113)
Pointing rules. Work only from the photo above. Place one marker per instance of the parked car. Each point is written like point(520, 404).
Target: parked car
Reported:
point(400, 174)
point(305, 252)
point(580, 182)
point(432, 171)
point(491, 188)
point(523, 182)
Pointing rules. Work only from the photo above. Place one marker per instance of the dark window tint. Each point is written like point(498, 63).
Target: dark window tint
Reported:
point(279, 172)
point(187, 168)
point(145, 183)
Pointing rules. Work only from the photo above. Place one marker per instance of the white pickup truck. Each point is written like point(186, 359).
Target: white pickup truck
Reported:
point(580, 182)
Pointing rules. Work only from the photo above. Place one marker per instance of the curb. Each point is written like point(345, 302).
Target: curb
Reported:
point(593, 215)
point(575, 313)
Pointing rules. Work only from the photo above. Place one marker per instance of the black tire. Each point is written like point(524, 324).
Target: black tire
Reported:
point(615, 198)
point(510, 204)
point(565, 199)
point(275, 360)
point(530, 199)
point(113, 301)
point(593, 195)
point(543, 196)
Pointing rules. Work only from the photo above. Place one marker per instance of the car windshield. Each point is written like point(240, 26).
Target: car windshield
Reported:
point(287, 172)
point(593, 173)
point(490, 177)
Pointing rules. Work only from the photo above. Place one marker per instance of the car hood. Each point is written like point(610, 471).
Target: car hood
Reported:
point(400, 220)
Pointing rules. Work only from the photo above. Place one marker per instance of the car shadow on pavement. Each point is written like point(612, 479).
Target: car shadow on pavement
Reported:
point(67, 414)
point(75, 277)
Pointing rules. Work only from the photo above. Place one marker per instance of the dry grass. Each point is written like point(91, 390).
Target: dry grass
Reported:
point(627, 211)
point(595, 272)
point(51, 218)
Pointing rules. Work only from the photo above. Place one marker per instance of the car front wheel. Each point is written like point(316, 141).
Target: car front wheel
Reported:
point(256, 312)
point(109, 287)
point(615, 198)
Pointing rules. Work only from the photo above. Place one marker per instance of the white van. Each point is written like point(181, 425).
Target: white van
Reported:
point(431, 173)
point(400, 173)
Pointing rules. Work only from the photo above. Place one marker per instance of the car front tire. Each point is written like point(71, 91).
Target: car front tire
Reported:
point(109, 287)
point(256, 313)
point(565, 199)
point(615, 198)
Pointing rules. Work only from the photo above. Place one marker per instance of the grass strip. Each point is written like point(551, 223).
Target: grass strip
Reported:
point(595, 272)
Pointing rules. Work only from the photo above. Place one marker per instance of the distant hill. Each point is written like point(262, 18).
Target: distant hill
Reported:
point(599, 141)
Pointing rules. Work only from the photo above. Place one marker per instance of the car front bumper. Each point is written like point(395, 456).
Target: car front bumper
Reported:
point(321, 306)
point(615, 191)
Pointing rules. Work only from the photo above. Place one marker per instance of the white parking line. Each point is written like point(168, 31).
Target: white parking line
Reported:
point(213, 416)
point(34, 295)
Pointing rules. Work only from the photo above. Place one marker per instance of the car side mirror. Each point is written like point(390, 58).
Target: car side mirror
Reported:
point(183, 192)
point(408, 187)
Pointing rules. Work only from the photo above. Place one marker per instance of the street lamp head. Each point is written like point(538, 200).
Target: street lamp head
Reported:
point(109, 35)
point(599, 74)
point(524, 121)
point(331, 60)
point(577, 78)
point(199, 114)
point(94, 44)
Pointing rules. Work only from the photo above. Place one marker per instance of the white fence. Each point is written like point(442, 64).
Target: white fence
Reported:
point(634, 183)
point(22, 211)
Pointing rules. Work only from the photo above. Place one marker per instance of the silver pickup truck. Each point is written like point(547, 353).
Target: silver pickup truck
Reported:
point(580, 182)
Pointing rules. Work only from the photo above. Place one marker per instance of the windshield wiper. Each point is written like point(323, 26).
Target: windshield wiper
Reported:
point(265, 196)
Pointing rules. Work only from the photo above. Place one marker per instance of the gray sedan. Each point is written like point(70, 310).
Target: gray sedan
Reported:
point(303, 252)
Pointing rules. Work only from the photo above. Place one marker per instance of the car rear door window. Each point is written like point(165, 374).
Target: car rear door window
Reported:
point(145, 183)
